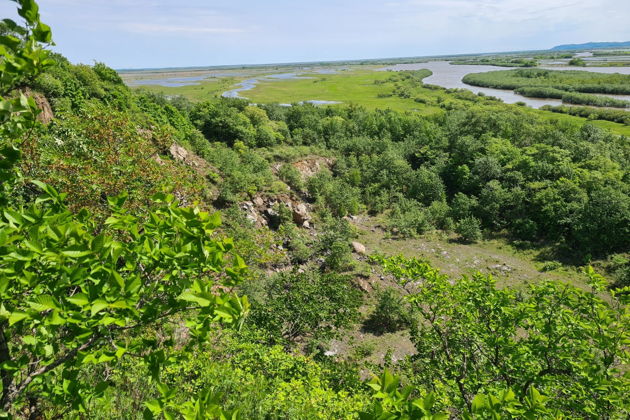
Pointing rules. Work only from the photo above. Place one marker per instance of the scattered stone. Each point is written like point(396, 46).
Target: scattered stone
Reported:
point(200, 165)
point(306, 224)
point(364, 285)
point(312, 165)
point(178, 152)
point(259, 201)
point(503, 268)
point(359, 248)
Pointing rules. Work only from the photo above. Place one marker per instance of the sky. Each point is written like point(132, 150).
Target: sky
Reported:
point(169, 33)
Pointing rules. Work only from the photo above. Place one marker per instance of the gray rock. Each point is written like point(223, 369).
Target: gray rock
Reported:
point(300, 214)
point(359, 248)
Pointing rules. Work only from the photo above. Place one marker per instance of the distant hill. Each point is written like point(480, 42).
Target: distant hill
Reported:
point(591, 45)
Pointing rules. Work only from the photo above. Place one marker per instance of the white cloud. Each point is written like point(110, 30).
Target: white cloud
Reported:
point(147, 28)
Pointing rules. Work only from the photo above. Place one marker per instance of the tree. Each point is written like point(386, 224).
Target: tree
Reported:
point(566, 342)
point(71, 298)
point(307, 305)
point(74, 293)
point(469, 229)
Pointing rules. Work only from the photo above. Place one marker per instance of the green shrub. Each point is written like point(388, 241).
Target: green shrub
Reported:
point(391, 314)
point(469, 229)
point(334, 244)
point(408, 219)
point(306, 305)
point(289, 174)
point(550, 266)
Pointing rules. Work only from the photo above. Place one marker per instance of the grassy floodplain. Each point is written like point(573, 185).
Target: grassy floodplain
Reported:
point(369, 88)
point(360, 85)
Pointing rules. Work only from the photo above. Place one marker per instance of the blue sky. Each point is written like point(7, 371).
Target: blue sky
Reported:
point(162, 33)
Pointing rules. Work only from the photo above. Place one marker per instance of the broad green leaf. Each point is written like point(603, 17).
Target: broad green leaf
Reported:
point(30, 340)
point(79, 299)
point(16, 317)
point(478, 403)
point(43, 303)
point(98, 305)
point(76, 251)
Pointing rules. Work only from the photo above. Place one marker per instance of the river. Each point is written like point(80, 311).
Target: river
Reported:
point(450, 76)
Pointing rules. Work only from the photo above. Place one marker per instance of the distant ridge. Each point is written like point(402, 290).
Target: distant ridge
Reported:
point(590, 45)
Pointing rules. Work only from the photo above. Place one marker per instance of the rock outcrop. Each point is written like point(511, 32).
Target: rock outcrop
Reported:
point(266, 211)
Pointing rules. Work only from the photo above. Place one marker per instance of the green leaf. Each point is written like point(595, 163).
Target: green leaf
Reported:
point(13, 217)
point(43, 303)
point(98, 305)
point(29, 11)
point(34, 246)
point(98, 242)
point(76, 251)
point(154, 405)
point(79, 299)
point(119, 280)
point(189, 296)
point(42, 33)
point(478, 403)
point(30, 340)
point(16, 317)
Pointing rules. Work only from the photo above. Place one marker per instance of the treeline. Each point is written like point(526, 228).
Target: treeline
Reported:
point(573, 81)
point(572, 97)
point(499, 62)
point(622, 117)
point(604, 53)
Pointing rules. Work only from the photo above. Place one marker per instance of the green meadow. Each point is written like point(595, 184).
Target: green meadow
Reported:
point(362, 86)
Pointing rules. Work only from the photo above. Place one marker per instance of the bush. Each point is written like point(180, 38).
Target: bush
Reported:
point(289, 174)
point(463, 206)
point(391, 314)
point(469, 229)
point(619, 268)
point(334, 244)
point(550, 266)
point(306, 305)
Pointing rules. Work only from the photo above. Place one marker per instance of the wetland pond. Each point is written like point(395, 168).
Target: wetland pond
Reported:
point(249, 84)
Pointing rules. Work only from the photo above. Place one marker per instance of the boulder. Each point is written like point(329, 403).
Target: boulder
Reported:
point(259, 201)
point(359, 248)
point(178, 152)
point(300, 214)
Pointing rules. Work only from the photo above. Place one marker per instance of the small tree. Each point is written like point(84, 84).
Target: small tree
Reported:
point(469, 229)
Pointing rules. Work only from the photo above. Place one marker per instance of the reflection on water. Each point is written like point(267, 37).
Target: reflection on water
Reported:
point(251, 83)
point(450, 76)
point(243, 86)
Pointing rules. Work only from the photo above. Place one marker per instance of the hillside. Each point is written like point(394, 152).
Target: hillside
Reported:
point(217, 259)
point(591, 46)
